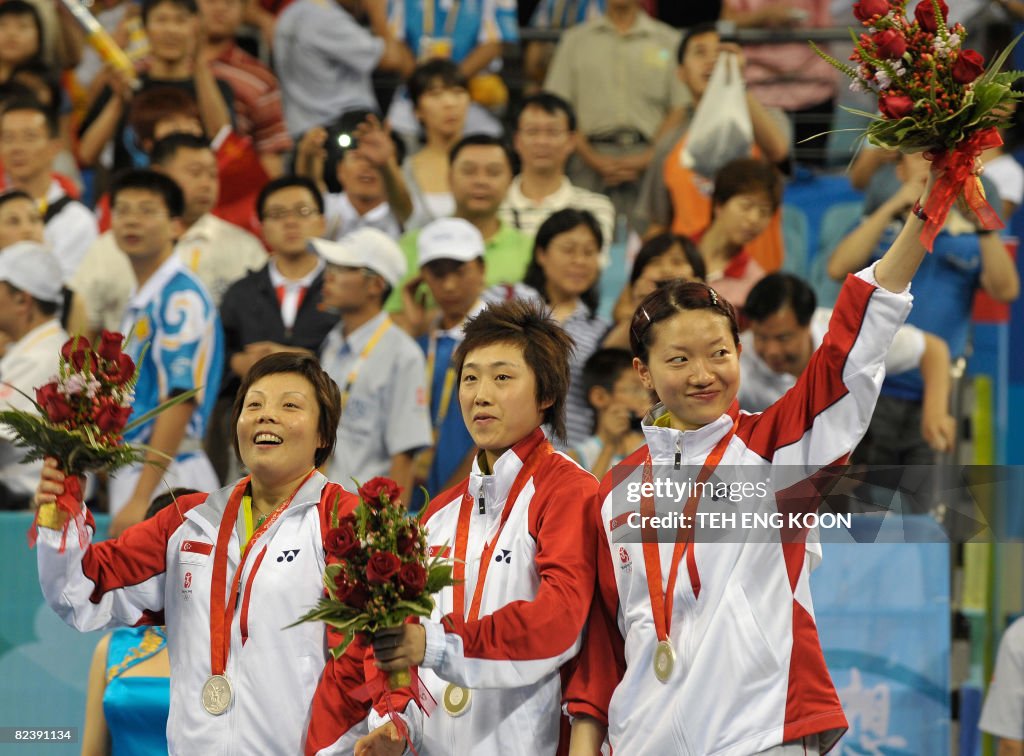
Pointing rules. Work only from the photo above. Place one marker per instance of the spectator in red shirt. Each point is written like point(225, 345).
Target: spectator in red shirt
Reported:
point(258, 112)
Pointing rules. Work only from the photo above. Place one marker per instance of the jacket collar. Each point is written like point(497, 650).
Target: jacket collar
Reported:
point(209, 514)
point(496, 486)
point(664, 442)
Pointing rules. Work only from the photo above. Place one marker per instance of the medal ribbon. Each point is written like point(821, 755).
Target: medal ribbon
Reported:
point(535, 457)
point(354, 372)
point(222, 609)
point(661, 603)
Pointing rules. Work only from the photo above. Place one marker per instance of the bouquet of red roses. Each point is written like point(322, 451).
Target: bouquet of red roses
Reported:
point(82, 414)
point(378, 573)
point(934, 96)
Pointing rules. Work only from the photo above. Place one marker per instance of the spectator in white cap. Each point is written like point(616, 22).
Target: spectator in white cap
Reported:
point(30, 297)
point(377, 366)
point(451, 262)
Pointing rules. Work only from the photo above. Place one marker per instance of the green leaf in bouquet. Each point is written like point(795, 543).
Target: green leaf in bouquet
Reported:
point(839, 65)
point(439, 577)
point(998, 62)
point(163, 406)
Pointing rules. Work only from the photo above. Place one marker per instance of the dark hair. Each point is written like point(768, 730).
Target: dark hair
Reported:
point(285, 182)
point(694, 31)
point(166, 499)
point(659, 245)
point(165, 149)
point(551, 104)
point(14, 194)
point(603, 368)
point(328, 396)
point(547, 349)
point(46, 76)
point(666, 301)
point(154, 104)
point(148, 6)
point(430, 72)
point(23, 8)
point(481, 140)
point(777, 290)
point(558, 223)
point(31, 103)
point(150, 181)
point(745, 176)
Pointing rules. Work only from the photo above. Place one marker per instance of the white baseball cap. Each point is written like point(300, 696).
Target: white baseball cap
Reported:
point(31, 267)
point(365, 248)
point(449, 239)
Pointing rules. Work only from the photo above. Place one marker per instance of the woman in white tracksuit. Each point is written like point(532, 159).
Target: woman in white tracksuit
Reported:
point(727, 661)
point(227, 573)
point(520, 532)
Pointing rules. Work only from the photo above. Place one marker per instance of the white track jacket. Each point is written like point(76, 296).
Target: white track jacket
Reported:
point(160, 572)
point(533, 608)
point(749, 672)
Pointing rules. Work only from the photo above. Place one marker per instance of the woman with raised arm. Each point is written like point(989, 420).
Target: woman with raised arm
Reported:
point(703, 645)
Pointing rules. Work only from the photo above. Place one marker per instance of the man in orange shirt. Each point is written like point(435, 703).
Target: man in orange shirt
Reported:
point(675, 198)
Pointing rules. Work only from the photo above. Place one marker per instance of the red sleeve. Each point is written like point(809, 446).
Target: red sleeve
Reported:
point(139, 553)
point(551, 623)
point(335, 710)
point(602, 661)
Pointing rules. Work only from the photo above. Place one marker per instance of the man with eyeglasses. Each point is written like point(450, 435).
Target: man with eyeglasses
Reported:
point(278, 308)
point(545, 139)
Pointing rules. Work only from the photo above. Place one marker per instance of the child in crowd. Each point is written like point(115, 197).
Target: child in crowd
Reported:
point(619, 401)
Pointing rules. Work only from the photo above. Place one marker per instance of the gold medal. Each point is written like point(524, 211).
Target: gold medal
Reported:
point(217, 695)
point(456, 700)
point(664, 661)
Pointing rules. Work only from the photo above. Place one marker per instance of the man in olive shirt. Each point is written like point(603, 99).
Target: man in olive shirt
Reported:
point(480, 174)
point(638, 99)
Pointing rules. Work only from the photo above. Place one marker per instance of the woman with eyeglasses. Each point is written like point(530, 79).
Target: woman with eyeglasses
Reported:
point(702, 640)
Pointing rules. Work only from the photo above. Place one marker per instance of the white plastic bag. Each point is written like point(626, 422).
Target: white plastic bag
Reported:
point(721, 129)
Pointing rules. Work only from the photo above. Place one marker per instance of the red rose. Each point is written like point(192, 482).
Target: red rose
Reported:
point(895, 106)
point(354, 594)
point(374, 490)
point(407, 542)
point(53, 403)
point(889, 44)
point(413, 579)
point(969, 66)
point(341, 541)
point(58, 409)
point(866, 10)
point(45, 393)
point(75, 343)
point(122, 371)
point(925, 15)
point(112, 417)
point(381, 567)
point(110, 345)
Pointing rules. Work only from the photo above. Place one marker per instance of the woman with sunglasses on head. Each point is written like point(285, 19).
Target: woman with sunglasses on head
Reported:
point(703, 647)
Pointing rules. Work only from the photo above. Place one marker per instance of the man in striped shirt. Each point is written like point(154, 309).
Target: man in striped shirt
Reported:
point(545, 139)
